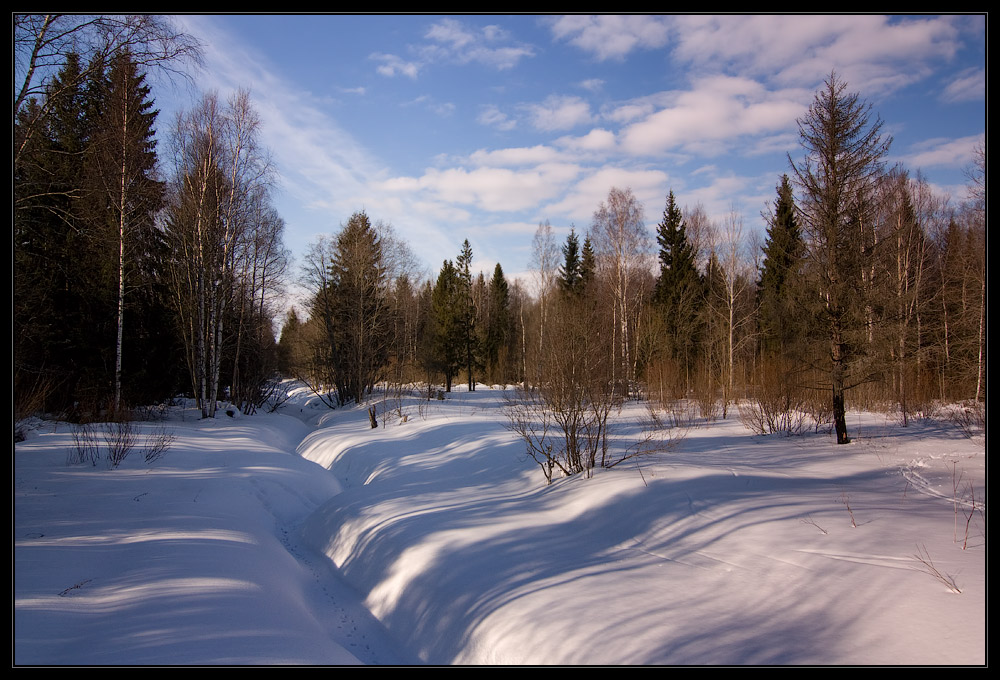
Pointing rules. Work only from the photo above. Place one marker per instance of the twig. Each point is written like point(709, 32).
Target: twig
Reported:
point(845, 499)
point(925, 559)
point(809, 520)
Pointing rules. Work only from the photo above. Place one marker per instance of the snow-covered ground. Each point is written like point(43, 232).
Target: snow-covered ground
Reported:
point(306, 537)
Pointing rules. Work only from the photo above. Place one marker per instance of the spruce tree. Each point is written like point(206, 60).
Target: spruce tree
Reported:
point(497, 330)
point(569, 272)
point(678, 286)
point(844, 158)
point(783, 251)
point(122, 155)
point(467, 314)
point(444, 336)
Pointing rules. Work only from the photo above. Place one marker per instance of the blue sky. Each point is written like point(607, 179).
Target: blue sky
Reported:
point(480, 127)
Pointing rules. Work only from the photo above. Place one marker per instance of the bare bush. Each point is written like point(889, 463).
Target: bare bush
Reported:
point(970, 418)
point(774, 405)
point(120, 438)
point(156, 444)
point(86, 448)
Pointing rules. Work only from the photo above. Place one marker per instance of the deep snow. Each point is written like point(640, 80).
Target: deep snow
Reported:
point(305, 537)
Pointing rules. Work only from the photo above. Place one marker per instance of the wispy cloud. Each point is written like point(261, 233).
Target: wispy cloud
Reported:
point(874, 53)
point(492, 116)
point(967, 86)
point(954, 153)
point(390, 65)
point(558, 113)
point(612, 36)
point(490, 188)
point(489, 45)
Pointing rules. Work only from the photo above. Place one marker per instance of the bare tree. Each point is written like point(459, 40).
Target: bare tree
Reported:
point(219, 170)
point(731, 301)
point(545, 266)
point(622, 244)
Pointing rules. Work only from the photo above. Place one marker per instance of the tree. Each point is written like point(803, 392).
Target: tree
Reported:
point(220, 172)
point(46, 43)
point(444, 354)
point(677, 287)
point(844, 152)
point(620, 239)
point(570, 273)
point(545, 265)
point(124, 156)
point(497, 333)
point(783, 251)
point(467, 313)
point(360, 308)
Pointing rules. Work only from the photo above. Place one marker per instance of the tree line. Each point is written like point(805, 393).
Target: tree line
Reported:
point(866, 284)
point(140, 272)
point(137, 275)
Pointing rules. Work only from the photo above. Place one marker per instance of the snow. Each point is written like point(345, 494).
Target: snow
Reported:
point(306, 537)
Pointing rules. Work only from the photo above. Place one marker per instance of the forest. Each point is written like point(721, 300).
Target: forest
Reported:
point(149, 262)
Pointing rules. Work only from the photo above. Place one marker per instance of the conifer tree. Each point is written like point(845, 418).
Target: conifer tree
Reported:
point(467, 314)
point(844, 152)
point(570, 275)
point(445, 354)
point(497, 333)
point(678, 286)
point(123, 153)
point(783, 251)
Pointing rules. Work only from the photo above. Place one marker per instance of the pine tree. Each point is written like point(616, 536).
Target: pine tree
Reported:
point(588, 266)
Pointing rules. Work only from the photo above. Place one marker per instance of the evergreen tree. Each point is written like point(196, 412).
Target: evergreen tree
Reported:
point(467, 314)
point(497, 324)
point(123, 156)
point(783, 251)
point(445, 354)
point(678, 286)
point(844, 152)
point(588, 266)
point(361, 335)
point(570, 274)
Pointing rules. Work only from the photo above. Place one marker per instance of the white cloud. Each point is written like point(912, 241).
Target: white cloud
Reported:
point(580, 202)
point(390, 65)
point(516, 156)
point(490, 188)
point(954, 153)
point(558, 113)
point(708, 117)
point(491, 116)
point(612, 36)
point(597, 140)
point(454, 40)
point(969, 86)
point(873, 53)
